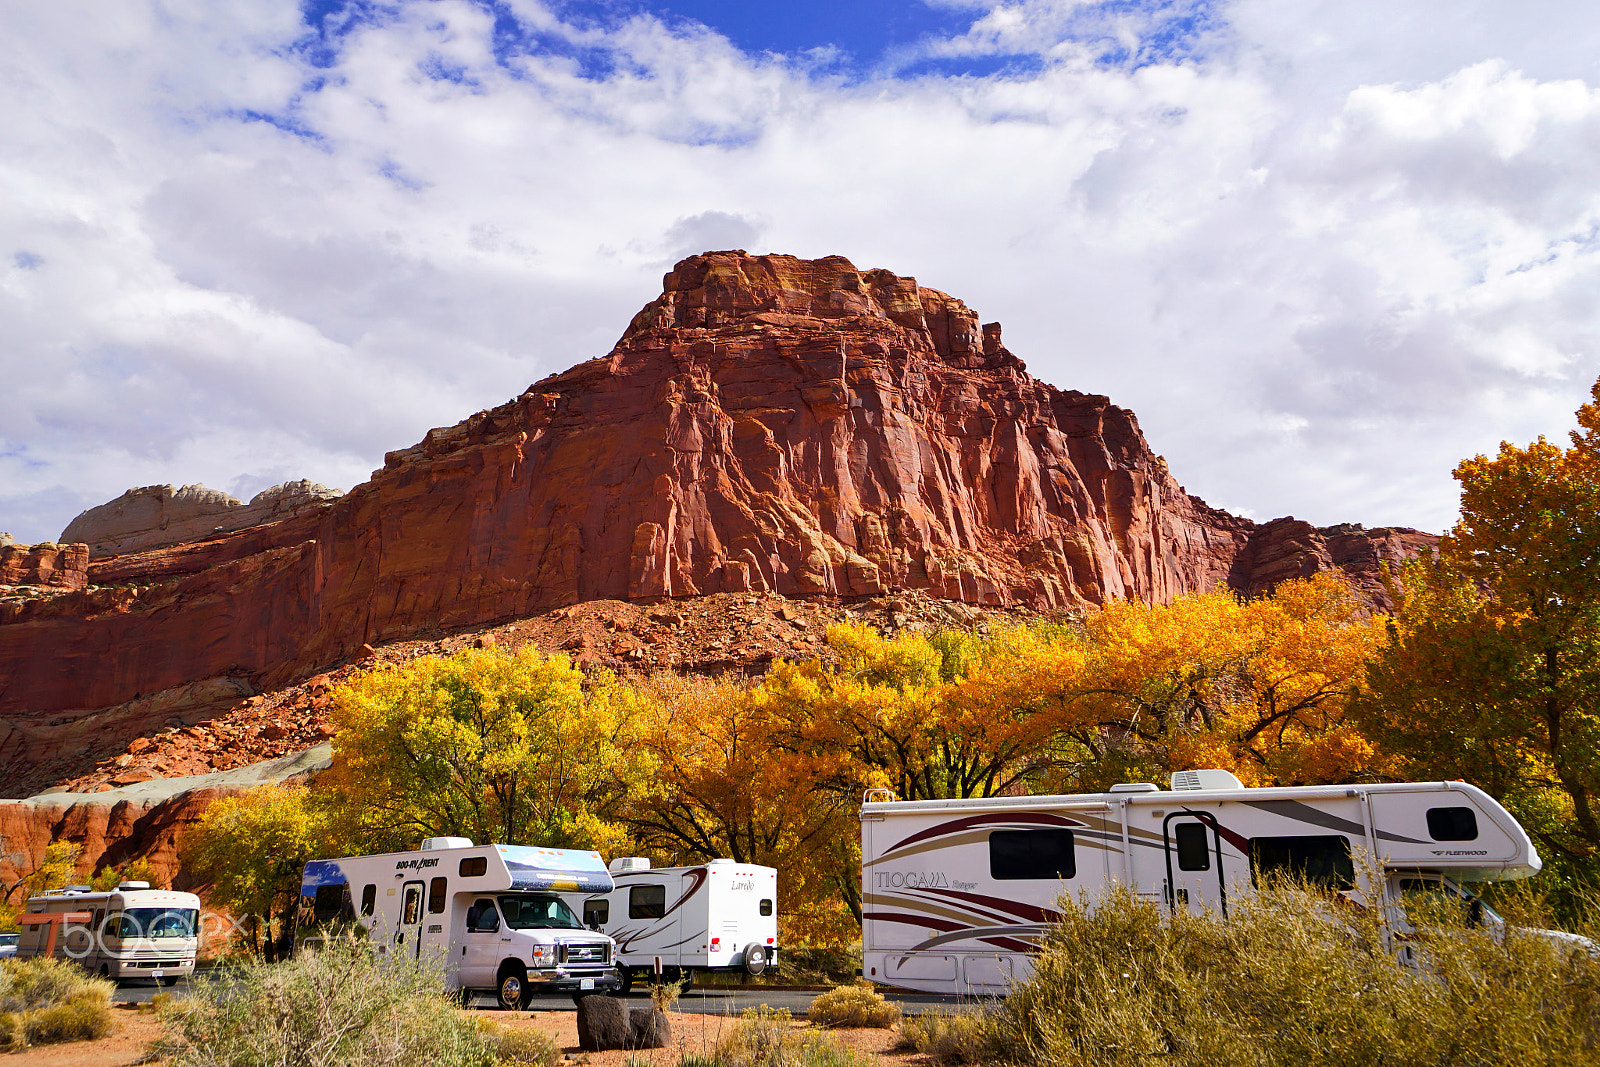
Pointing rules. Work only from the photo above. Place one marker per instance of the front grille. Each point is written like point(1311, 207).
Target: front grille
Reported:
point(587, 952)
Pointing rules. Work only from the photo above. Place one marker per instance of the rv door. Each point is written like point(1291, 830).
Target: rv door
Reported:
point(1195, 878)
point(408, 932)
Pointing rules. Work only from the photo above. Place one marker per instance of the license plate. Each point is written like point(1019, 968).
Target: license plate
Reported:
point(586, 983)
point(157, 974)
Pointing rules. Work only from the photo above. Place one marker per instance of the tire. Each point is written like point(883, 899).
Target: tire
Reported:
point(105, 971)
point(511, 992)
point(755, 959)
point(170, 981)
point(627, 981)
point(682, 975)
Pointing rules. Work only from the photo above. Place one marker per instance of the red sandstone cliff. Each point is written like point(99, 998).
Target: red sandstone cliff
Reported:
point(766, 423)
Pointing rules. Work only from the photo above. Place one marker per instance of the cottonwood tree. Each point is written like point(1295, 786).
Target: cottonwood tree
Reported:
point(1491, 670)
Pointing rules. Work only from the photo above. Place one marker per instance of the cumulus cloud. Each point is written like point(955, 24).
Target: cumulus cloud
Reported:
point(1323, 257)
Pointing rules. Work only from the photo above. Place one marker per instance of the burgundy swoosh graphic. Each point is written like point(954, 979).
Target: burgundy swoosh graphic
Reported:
point(1002, 905)
point(958, 825)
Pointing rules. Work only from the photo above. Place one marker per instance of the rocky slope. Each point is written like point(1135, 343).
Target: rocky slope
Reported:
point(767, 425)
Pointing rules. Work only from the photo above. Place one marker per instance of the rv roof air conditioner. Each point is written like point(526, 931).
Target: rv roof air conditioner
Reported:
point(133, 885)
point(630, 863)
point(1135, 787)
point(1190, 781)
point(434, 844)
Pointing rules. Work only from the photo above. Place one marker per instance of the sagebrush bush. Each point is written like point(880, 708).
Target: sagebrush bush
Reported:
point(962, 1037)
point(515, 1045)
point(766, 1037)
point(338, 1004)
point(853, 1006)
point(47, 1001)
point(1295, 977)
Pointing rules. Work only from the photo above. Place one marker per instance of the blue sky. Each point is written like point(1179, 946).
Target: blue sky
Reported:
point(1324, 248)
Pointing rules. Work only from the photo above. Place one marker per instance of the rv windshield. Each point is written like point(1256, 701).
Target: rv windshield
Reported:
point(534, 911)
point(157, 922)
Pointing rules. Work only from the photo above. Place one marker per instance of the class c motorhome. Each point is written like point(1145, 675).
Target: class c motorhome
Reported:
point(956, 893)
point(492, 915)
point(717, 916)
point(130, 932)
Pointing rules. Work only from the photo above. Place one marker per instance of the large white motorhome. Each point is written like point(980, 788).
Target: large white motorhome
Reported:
point(492, 915)
point(718, 916)
point(957, 893)
point(132, 931)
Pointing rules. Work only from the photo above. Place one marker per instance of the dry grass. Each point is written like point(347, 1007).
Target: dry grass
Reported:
point(766, 1037)
point(47, 1001)
point(964, 1037)
point(337, 1006)
point(853, 1006)
point(1298, 979)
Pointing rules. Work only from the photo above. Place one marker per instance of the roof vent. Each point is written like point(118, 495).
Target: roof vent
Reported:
point(435, 844)
point(79, 889)
point(1190, 781)
point(1135, 787)
point(630, 863)
point(133, 885)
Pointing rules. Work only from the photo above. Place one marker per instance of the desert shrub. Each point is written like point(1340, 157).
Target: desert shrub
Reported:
point(766, 1037)
point(819, 966)
point(514, 1045)
point(856, 1006)
point(46, 1001)
point(339, 1004)
point(962, 1037)
point(1295, 977)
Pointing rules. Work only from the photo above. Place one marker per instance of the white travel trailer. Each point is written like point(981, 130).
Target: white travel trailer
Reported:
point(956, 893)
point(492, 914)
point(719, 916)
point(132, 931)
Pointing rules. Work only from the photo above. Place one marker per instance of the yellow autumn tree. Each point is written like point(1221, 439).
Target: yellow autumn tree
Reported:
point(251, 848)
point(493, 745)
point(1259, 687)
point(721, 788)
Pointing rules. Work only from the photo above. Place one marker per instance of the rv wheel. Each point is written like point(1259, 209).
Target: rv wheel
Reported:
point(105, 971)
point(513, 989)
point(627, 981)
point(755, 959)
point(170, 981)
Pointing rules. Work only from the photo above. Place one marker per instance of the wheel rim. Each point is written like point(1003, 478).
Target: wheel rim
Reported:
point(511, 990)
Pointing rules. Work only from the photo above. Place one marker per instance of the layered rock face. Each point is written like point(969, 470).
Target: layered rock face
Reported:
point(767, 423)
point(158, 515)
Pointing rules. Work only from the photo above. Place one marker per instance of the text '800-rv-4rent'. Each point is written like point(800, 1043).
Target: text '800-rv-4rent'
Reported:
point(956, 893)
point(492, 916)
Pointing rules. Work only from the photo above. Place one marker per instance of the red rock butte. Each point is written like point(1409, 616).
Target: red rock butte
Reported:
point(766, 423)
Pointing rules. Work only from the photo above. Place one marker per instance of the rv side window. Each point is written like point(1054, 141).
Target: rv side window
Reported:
point(766, 905)
point(474, 866)
point(329, 897)
point(411, 905)
point(369, 899)
point(1452, 824)
point(111, 928)
point(1015, 854)
point(436, 897)
point(647, 901)
point(482, 918)
point(1322, 860)
point(1193, 852)
point(596, 912)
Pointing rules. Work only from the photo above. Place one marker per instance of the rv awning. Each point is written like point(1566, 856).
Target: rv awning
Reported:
point(561, 870)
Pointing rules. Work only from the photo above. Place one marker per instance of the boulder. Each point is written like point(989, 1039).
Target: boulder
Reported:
point(648, 1028)
point(602, 1024)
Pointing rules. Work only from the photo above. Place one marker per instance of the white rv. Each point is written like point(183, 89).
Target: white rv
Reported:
point(956, 893)
point(491, 915)
point(719, 916)
point(132, 931)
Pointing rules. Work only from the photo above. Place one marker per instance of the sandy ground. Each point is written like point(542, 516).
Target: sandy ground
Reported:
point(690, 1033)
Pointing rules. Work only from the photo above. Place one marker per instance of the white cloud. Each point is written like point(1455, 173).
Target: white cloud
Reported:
point(1323, 256)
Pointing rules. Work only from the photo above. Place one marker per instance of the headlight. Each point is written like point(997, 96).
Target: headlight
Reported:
point(542, 954)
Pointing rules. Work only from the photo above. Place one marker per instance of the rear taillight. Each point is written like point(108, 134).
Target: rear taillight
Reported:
point(769, 940)
point(716, 944)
